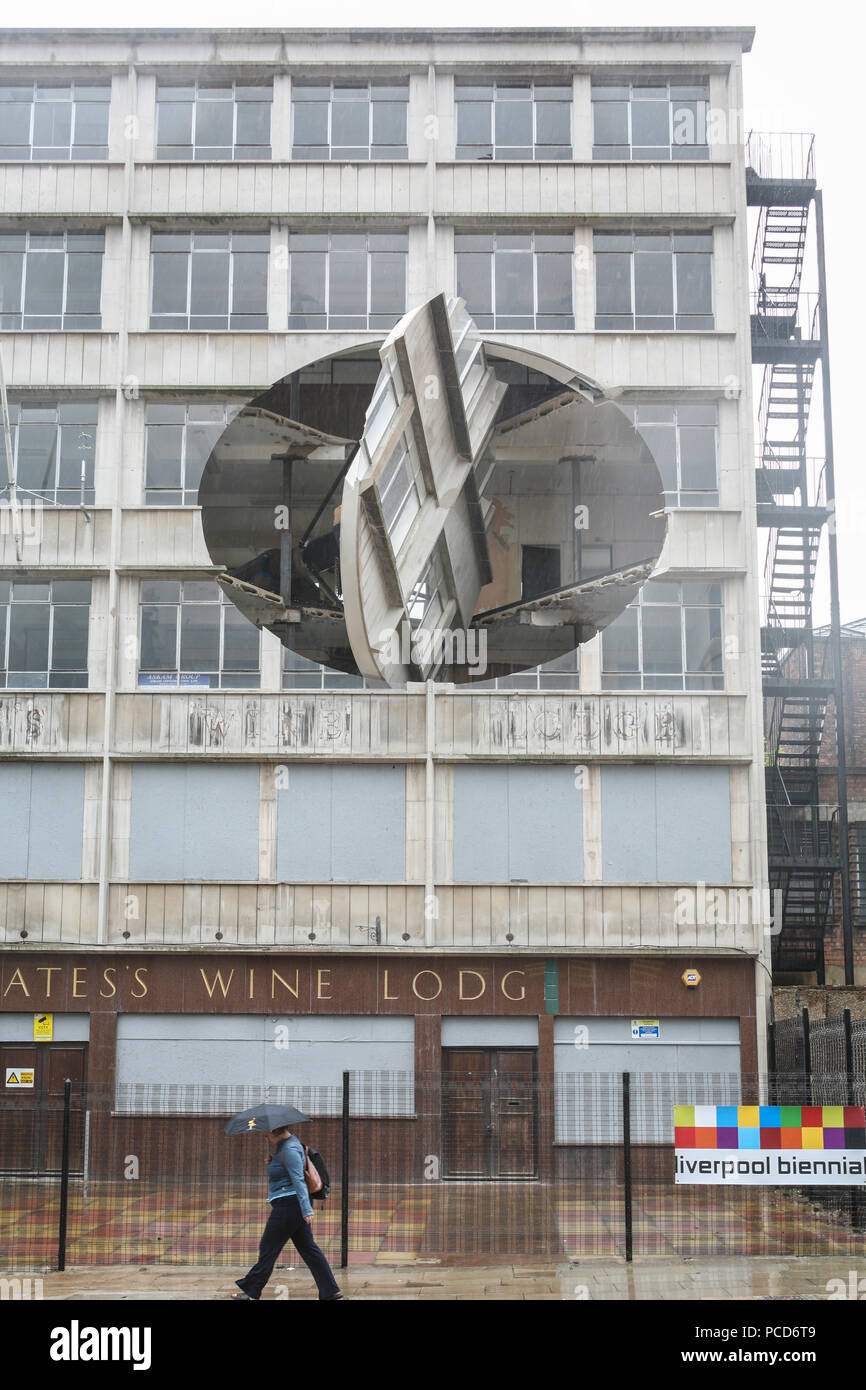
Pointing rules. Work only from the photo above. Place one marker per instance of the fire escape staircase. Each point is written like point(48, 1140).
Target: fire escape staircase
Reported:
point(801, 835)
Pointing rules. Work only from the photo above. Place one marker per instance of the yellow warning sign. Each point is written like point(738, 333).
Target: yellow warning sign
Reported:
point(19, 1076)
point(43, 1027)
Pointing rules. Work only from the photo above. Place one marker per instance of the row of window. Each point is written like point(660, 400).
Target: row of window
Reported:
point(53, 447)
point(352, 119)
point(209, 280)
point(670, 638)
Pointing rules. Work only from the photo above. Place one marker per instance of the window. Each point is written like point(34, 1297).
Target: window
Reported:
point(50, 280)
point(210, 280)
point(683, 440)
point(179, 440)
point(347, 279)
point(516, 282)
point(50, 445)
point(299, 673)
point(192, 634)
point(43, 633)
point(349, 120)
point(513, 120)
point(670, 638)
point(400, 484)
point(658, 281)
point(651, 118)
point(562, 673)
point(41, 121)
point(213, 121)
point(858, 871)
point(521, 823)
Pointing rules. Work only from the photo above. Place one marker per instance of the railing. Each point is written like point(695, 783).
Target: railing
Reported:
point(785, 157)
point(785, 315)
point(802, 833)
point(813, 469)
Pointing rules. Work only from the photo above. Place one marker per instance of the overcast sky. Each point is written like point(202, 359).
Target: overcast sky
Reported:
point(802, 74)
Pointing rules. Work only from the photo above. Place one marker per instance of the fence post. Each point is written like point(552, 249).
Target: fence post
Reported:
point(807, 1059)
point(344, 1182)
point(626, 1160)
point(849, 1057)
point(772, 1087)
point(64, 1175)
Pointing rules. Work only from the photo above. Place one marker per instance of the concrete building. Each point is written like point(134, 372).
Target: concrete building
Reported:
point(203, 834)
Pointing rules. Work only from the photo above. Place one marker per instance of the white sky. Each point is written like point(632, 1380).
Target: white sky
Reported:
point(803, 73)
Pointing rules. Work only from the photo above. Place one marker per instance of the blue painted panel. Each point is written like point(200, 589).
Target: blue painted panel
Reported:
point(545, 825)
point(344, 824)
point(157, 822)
point(481, 825)
point(14, 819)
point(191, 823)
point(628, 828)
point(693, 824)
point(304, 826)
point(56, 821)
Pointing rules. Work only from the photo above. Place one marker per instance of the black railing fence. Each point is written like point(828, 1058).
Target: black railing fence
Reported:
point(426, 1168)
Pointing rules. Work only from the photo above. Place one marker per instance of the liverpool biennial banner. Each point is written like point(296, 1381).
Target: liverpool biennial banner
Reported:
point(803, 1145)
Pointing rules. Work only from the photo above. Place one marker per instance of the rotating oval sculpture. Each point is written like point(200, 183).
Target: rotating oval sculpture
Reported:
point(446, 508)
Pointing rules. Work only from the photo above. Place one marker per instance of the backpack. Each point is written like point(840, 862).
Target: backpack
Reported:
point(315, 1173)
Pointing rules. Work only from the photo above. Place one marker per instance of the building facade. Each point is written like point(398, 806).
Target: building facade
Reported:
point(205, 836)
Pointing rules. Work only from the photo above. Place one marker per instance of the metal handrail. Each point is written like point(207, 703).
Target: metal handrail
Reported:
point(783, 156)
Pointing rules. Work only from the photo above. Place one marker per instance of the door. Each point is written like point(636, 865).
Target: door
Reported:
point(489, 1112)
point(31, 1118)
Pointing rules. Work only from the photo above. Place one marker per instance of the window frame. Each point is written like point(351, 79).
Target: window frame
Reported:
point(505, 323)
point(337, 322)
point(696, 152)
point(230, 410)
point(208, 154)
point(74, 86)
point(327, 156)
point(710, 498)
point(51, 673)
point(659, 683)
point(185, 325)
point(195, 680)
point(52, 326)
point(538, 153)
point(668, 323)
point(49, 494)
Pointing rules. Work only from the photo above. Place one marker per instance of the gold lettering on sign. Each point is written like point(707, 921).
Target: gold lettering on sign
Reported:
point(17, 979)
point(426, 997)
point(386, 995)
point(223, 984)
point(250, 995)
point(507, 976)
point(478, 976)
point(140, 970)
point(76, 982)
point(321, 981)
point(109, 970)
point(49, 971)
point(285, 983)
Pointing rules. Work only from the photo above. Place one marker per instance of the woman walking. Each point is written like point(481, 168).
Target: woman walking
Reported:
point(290, 1219)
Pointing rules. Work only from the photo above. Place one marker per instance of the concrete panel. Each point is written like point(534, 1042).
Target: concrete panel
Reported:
point(14, 819)
point(628, 832)
point(693, 824)
point(517, 823)
point(194, 822)
point(342, 824)
point(489, 1032)
point(481, 825)
point(56, 821)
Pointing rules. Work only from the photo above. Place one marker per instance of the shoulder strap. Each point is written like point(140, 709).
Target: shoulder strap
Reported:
point(283, 1150)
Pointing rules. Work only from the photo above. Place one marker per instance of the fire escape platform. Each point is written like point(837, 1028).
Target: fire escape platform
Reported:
point(769, 514)
point(778, 687)
point(778, 192)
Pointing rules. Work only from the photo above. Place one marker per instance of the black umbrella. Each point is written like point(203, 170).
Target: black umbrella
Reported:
point(264, 1118)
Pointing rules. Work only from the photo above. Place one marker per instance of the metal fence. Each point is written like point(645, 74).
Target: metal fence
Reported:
point(435, 1170)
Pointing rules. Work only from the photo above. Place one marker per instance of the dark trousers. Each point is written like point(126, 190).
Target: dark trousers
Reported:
point(286, 1223)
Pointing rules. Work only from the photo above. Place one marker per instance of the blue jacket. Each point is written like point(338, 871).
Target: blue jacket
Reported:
point(286, 1178)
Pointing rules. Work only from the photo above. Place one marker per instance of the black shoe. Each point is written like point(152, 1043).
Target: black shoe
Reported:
point(331, 1297)
point(243, 1297)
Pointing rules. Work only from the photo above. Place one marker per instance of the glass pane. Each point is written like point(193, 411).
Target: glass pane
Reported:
point(174, 123)
point(513, 122)
point(91, 123)
point(662, 443)
point(610, 120)
point(650, 122)
point(84, 284)
point(653, 283)
point(350, 123)
point(28, 636)
point(70, 638)
point(662, 641)
point(387, 282)
point(348, 287)
point(15, 123)
point(698, 457)
point(11, 265)
point(213, 122)
point(554, 284)
point(514, 287)
point(37, 454)
point(52, 123)
point(199, 636)
point(553, 123)
point(311, 122)
point(200, 440)
point(619, 643)
point(209, 292)
point(389, 123)
point(250, 283)
point(613, 283)
point(43, 292)
point(158, 637)
point(240, 642)
point(308, 282)
point(694, 284)
point(254, 123)
point(703, 639)
point(169, 283)
point(164, 444)
point(474, 126)
point(689, 123)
